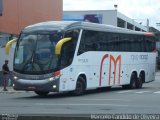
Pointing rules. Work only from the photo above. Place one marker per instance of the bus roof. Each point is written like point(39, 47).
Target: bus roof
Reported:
point(51, 26)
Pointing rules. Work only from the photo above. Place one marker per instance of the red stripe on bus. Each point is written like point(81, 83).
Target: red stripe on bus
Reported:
point(100, 78)
point(115, 62)
point(109, 80)
point(148, 34)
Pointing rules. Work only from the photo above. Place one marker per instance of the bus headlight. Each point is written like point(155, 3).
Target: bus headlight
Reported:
point(57, 77)
point(54, 86)
point(15, 78)
point(51, 79)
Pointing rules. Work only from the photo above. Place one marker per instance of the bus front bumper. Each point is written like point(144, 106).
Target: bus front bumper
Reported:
point(37, 85)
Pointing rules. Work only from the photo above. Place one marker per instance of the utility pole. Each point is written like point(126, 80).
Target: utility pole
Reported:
point(147, 25)
point(115, 6)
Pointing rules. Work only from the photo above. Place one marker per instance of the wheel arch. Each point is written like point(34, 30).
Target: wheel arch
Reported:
point(134, 72)
point(83, 75)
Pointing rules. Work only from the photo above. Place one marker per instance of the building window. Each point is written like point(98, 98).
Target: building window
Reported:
point(1, 7)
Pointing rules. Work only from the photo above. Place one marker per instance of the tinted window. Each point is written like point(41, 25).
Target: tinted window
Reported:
point(68, 49)
point(1, 7)
point(107, 41)
point(150, 44)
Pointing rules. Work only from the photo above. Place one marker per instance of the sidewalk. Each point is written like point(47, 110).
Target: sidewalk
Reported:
point(10, 90)
point(158, 73)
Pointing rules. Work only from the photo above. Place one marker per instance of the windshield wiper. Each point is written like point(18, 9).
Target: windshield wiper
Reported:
point(30, 61)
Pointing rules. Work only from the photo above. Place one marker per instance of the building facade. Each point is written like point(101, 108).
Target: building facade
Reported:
point(110, 17)
point(17, 14)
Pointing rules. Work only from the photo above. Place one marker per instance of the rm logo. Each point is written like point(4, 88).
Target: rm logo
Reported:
point(112, 62)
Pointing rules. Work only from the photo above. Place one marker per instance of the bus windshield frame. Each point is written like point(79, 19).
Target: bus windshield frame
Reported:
point(35, 53)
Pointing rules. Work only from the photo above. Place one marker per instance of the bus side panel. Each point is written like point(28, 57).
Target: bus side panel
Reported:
point(99, 69)
point(84, 65)
point(124, 79)
point(142, 62)
point(107, 69)
point(70, 74)
point(151, 67)
point(64, 79)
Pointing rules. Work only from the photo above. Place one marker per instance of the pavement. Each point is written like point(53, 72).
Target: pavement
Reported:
point(115, 101)
point(158, 73)
point(11, 90)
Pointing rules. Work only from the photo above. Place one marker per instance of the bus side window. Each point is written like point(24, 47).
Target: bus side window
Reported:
point(82, 44)
point(68, 49)
point(88, 41)
point(66, 55)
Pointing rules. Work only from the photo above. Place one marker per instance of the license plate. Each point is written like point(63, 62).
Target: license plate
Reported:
point(31, 88)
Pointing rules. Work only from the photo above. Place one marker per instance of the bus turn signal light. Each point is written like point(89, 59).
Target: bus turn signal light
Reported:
point(57, 74)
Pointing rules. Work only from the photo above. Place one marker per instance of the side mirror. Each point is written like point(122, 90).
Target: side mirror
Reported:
point(60, 44)
point(8, 45)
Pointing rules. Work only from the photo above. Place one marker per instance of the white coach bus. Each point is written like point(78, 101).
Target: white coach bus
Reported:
point(60, 56)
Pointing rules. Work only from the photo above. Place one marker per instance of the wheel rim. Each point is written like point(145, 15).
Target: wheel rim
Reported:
point(140, 81)
point(79, 87)
point(133, 83)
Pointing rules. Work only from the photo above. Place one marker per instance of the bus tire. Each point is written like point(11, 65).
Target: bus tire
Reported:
point(80, 87)
point(133, 81)
point(125, 86)
point(139, 82)
point(42, 93)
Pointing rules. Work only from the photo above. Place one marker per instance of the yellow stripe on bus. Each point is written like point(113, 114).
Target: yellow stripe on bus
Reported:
point(8, 45)
point(60, 44)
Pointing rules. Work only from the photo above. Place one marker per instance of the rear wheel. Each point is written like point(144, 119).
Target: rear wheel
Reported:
point(133, 81)
point(125, 86)
point(80, 87)
point(139, 82)
point(42, 93)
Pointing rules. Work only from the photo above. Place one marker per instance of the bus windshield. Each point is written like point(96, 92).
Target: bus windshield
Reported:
point(35, 53)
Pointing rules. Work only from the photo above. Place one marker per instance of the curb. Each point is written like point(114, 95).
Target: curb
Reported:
point(11, 90)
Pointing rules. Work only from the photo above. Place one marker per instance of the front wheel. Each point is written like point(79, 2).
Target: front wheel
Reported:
point(42, 93)
point(80, 87)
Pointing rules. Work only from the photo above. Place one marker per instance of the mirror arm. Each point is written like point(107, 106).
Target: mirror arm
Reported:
point(60, 44)
point(8, 45)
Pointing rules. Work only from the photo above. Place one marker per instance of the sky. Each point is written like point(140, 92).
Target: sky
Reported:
point(138, 10)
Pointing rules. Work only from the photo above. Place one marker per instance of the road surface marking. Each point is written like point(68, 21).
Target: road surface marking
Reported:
point(126, 91)
point(70, 104)
point(106, 100)
point(157, 92)
point(142, 92)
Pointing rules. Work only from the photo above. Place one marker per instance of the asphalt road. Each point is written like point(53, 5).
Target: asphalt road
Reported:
point(116, 100)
